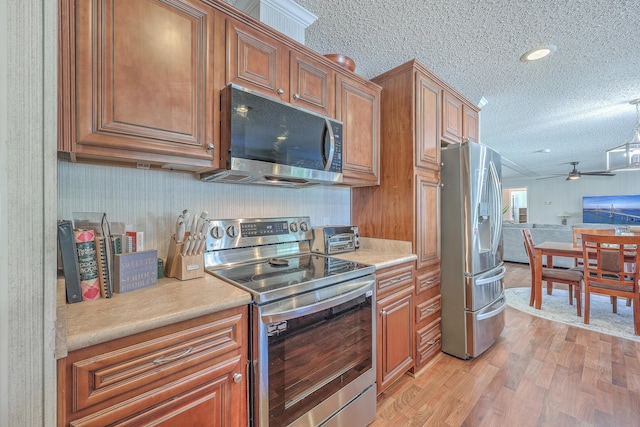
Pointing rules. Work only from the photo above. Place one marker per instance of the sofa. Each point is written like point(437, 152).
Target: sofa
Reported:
point(513, 243)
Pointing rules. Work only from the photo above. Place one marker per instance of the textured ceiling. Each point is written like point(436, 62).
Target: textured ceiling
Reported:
point(574, 103)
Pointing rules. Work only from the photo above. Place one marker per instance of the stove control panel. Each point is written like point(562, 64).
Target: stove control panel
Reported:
point(238, 233)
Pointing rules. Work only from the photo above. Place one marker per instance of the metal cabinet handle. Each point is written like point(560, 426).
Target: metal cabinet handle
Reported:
point(296, 96)
point(211, 146)
point(383, 312)
point(163, 359)
point(431, 342)
point(280, 91)
point(237, 377)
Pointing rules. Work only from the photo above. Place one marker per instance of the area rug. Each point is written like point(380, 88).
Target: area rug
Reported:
point(556, 307)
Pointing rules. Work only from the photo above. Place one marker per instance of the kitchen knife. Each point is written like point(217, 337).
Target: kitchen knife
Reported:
point(203, 243)
point(180, 229)
point(187, 246)
point(186, 215)
point(197, 225)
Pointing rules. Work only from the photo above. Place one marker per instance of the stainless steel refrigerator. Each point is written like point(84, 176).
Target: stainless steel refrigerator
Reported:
point(472, 284)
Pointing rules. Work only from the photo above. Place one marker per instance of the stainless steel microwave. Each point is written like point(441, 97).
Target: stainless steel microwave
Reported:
point(265, 141)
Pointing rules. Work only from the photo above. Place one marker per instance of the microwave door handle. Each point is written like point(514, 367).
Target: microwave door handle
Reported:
point(332, 144)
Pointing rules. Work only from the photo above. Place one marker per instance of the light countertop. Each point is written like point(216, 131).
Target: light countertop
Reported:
point(170, 301)
point(381, 253)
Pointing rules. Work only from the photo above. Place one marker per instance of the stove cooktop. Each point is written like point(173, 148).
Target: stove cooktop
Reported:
point(275, 278)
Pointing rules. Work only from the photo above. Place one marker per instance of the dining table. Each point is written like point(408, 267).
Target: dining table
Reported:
point(549, 250)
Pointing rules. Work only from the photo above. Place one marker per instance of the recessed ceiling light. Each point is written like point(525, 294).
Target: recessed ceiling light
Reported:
point(537, 53)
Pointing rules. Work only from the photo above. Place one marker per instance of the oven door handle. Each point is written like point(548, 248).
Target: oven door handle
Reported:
point(279, 316)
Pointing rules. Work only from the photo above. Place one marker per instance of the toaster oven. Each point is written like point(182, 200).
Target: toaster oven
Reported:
point(329, 240)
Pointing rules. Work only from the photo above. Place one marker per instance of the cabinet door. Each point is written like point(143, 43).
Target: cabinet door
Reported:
point(358, 106)
point(312, 85)
point(470, 124)
point(142, 73)
point(210, 398)
point(427, 123)
point(427, 237)
point(191, 373)
point(451, 117)
point(256, 61)
point(395, 337)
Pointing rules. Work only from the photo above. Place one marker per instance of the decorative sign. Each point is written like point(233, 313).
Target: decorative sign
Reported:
point(135, 270)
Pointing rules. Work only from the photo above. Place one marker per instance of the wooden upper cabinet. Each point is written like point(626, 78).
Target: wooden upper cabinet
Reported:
point(358, 106)
point(140, 71)
point(451, 118)
point(427, 123)
point(256, 61)
point(312, 85)
point(470, 124)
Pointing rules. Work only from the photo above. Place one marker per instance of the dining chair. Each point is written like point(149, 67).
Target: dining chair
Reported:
point(571, 277)
point(613, 272)
point(579, 231)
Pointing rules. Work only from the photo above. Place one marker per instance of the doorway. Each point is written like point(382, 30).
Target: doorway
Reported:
point(514, 205)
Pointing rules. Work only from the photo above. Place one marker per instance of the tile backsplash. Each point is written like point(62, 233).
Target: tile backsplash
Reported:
point(150, 200)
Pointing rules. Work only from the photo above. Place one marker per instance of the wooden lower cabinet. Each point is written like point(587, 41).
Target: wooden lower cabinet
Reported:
point(191, 373)
point(394, 354)
point(428, 325)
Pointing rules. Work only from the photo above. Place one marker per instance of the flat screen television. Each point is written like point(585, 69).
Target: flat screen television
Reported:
point(611, 209)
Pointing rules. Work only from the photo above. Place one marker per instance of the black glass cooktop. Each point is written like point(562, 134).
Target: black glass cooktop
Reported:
point(276, 278)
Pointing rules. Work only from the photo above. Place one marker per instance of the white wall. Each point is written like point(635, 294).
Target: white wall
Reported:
point(4, 199)
point(28, 88)
point(151, 200)
point(548, 197)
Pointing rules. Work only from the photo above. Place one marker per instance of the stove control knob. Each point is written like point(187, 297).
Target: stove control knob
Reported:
point(293, 227)
point(217, 232)
point(232, 231)
point(304, 226)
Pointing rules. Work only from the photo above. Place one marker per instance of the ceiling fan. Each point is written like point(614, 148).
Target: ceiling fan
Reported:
point(576, 174)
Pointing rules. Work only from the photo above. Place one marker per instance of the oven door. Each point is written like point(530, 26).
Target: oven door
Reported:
point(313, 356)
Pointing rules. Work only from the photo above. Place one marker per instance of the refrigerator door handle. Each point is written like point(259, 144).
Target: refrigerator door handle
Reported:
point(496, 214)
point(498, 276)
point(492, 313)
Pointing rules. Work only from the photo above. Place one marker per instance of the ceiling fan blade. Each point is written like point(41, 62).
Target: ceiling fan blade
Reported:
point(552, 176)
point(601, 173)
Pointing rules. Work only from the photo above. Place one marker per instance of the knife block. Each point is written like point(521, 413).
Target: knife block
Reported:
point(182, 267)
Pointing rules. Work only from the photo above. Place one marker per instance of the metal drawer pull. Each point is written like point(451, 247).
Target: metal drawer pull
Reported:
point(237, 378)
point(431, 309)
point(432, 342)
point(399, 279)
point(383, 313)
point(163, 359)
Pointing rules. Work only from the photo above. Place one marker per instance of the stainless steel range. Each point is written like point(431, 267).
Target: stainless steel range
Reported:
point(312, 343)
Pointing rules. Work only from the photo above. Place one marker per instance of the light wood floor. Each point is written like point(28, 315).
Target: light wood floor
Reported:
point(539, 373)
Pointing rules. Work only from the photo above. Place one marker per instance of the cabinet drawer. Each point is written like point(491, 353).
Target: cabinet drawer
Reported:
point(428, 308)
point(393, 279)
point(428, 281)
point(113, 376)
point(428, 342)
